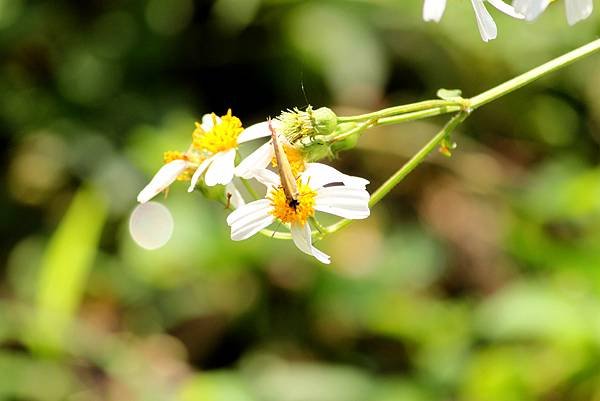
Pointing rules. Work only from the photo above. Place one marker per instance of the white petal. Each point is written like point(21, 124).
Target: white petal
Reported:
point(245, 232)
point(301, 237)
point(531, 9)
point(350, 203)
point(319, 174)
point(485, 22)
point(433, 10)
point(162, 179)
point(221, 169)
point(259, 159)
point(267, 178)
point(506, 9)
point(208, 123)
point(237, 216)
point(578, 10)
point(250, 219)
point(198, 173)
point(236, 200)
point(255, 131)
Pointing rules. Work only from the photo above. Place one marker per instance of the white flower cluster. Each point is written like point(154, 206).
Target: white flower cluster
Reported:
point(211, 158)
point(529, 10)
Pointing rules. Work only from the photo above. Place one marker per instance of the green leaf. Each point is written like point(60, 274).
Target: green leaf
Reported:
point(449, 94)
point(65, 267)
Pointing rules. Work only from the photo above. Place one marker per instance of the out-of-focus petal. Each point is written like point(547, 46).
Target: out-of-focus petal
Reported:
point(198, 173)
point(221, 169)
point(162, 179)
point(531, 9)
point(433, 10)
point(578, 10)
point(267, 178)
point(257, 160)
point(506, 9)
point(302, 239)
point(485, 22)
point(208, 123)
point(255, 131)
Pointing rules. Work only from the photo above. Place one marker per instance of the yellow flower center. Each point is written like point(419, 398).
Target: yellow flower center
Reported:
point(295, 158)
point(294, 211)
point(221, 137)
point(172, 155)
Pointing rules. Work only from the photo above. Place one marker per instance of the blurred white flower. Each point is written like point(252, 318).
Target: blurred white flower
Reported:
point(576, 10)
point(319, 189)
point(218, 139)
point(434, 9)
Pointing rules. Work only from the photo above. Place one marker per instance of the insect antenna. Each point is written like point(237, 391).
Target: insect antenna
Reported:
point(302, 87)
point(276, 228)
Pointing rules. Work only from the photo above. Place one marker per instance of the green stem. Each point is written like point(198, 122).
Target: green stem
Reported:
point(402, 118)
point(430, 108)
point(409, 166)
point(249, 188)
point(436, 111)
point(275, 234)
point(405, 108)
point(320, 227)
point(355, 130)
point(532, 75)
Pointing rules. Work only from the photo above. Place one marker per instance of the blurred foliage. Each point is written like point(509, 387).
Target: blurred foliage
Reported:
point(478, 278)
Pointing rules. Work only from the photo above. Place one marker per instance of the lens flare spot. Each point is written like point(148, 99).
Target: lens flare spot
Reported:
point(151, 225)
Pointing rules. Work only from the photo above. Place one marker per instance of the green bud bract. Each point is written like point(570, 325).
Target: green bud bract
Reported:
point(324, 120)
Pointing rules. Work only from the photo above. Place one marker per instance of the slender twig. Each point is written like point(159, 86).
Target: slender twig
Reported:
point(430, 108)
point(409, 166)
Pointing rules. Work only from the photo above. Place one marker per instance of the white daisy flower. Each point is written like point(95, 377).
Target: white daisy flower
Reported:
point(434, 9)
point(319, 189)
point(218, 138)
point(576, 10)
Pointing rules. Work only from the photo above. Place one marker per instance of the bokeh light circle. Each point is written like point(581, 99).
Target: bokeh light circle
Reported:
point(151, 225)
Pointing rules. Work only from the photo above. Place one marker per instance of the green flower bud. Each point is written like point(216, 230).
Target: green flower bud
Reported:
point(325, 120)
point(303, 126)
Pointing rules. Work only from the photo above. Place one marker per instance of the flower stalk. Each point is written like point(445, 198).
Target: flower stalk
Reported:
point(435, 107)
point(461, 107)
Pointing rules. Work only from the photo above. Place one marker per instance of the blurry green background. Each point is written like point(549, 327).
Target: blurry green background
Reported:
point(478, 278)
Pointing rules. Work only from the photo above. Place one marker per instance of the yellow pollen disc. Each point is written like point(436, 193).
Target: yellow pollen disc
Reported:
point(172, 155)
point(295, 158)
point(223, 135)
point(293, 213)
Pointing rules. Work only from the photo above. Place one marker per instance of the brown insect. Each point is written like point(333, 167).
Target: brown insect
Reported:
point(288, 181)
